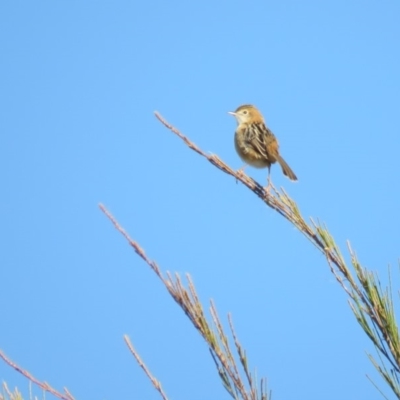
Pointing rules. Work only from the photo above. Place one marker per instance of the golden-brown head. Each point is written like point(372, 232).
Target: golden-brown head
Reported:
point(247, 114)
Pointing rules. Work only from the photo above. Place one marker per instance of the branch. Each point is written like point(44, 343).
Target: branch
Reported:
point(217, 340)
point(43, 385)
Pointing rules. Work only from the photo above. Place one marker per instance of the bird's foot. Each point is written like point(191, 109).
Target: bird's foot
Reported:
point(267, 189)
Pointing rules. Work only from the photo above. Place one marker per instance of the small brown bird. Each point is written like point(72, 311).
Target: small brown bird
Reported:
point(255, 143)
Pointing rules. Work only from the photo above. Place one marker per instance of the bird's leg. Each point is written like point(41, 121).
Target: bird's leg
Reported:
point(268, 187)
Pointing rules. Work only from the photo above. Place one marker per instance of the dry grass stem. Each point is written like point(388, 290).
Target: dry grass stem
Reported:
point(215, 337)
point(10, 395)
point(153, 380)
point(43, 385)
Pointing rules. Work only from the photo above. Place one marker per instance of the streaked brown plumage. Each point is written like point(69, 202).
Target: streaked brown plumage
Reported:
point(255, 143)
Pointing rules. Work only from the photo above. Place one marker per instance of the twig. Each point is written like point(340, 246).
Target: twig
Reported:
point(142, 365)
point(43, 385)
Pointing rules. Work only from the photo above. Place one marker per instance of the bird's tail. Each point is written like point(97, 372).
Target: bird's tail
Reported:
point(286, 169)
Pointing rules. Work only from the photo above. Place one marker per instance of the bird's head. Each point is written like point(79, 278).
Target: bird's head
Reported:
point(247, 114)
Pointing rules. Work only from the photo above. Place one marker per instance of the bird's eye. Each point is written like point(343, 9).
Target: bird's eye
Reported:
point(245, 112)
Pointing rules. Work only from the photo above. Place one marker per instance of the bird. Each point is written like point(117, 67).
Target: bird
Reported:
point(255, 143)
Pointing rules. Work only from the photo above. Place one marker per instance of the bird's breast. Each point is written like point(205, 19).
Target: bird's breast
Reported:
point(247, 153)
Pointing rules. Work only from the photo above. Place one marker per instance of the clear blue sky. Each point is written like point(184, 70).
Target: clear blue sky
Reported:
point(79, 84)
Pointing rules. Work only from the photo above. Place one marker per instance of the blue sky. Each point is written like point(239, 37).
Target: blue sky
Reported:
point(80, 82)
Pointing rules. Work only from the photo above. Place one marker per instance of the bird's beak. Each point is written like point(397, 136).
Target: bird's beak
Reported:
point(231, 113)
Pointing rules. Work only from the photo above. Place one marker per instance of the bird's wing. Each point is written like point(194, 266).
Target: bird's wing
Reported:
point(263, 141)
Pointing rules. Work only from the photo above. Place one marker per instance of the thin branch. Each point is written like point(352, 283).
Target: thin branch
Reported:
point(153, 380)
point(217, 340)
point(280, 202)
point(43, 385)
